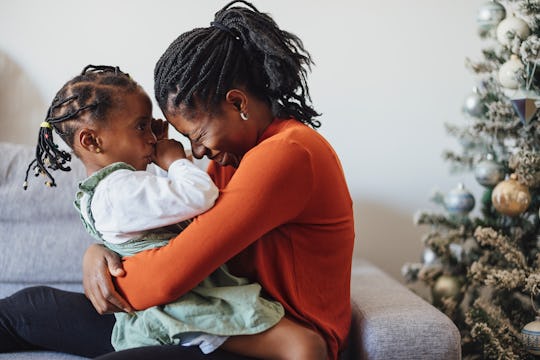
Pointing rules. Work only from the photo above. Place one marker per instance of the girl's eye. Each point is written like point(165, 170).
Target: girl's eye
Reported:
point(142, 126)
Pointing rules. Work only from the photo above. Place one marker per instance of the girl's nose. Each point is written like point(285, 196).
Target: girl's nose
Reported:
point(152, 139)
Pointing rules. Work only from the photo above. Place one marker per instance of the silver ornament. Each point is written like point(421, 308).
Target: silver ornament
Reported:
point(429, 258)
point(489, 15)
point(526, 108)
point(530, 335)
point(488, 172)
point(459, 201)
point(456, 250)
point(473, 104)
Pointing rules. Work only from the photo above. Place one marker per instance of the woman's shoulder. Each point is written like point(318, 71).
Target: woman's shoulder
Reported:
point(293, 133)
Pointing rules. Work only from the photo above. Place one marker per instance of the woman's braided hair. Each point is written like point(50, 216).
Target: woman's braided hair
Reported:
point(242, 47)
point(85, 99)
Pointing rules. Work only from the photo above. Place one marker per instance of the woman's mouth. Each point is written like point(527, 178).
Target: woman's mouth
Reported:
point(224, 159)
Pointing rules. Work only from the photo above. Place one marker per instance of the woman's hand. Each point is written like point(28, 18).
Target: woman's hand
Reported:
point(99, 263)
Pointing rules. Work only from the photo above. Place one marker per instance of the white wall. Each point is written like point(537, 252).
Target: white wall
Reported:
point(388, 75)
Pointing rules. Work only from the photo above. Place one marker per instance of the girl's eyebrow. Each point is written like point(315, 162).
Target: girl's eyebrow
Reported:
point(143, 117)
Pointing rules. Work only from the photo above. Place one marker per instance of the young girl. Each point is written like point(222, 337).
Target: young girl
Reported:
point(131, 205)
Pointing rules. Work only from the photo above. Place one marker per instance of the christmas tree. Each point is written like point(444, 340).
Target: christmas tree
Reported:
point(483, 267)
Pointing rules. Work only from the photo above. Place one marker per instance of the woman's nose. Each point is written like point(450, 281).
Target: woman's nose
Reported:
point(198, 150)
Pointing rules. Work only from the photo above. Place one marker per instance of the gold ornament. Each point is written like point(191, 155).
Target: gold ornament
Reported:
point(446, 286)
point(510, 197)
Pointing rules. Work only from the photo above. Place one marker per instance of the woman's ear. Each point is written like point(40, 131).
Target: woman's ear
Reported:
point(89, 140)
point(238, 99)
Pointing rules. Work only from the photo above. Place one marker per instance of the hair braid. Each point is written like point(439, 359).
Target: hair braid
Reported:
point(242, 47)
point(84, 99)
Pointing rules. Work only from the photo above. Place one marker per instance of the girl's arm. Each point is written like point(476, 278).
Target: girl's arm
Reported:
point(130, 201)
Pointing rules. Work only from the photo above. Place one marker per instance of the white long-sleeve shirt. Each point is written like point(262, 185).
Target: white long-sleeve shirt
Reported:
point(127, 203)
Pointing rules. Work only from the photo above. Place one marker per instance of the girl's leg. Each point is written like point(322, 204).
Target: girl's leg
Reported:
point(285, 341)
point(170, 352)
point(47, 318)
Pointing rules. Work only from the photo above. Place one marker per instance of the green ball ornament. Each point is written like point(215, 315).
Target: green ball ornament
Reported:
point(530, 336)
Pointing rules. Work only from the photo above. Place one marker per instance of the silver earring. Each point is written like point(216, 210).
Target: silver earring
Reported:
point(244, 115)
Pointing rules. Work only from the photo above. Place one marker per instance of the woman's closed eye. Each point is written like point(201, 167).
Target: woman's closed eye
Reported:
point(198, 138)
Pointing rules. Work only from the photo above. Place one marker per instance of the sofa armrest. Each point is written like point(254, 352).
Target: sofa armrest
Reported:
point(391, 322)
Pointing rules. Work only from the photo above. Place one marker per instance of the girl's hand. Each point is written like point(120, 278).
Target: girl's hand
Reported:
point(160, 128)
point(99, 263)
point(168, 151)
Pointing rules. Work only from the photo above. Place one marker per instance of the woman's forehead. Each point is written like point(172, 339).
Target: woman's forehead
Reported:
point(183, 125)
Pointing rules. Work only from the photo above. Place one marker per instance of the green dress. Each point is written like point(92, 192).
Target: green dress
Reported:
point(222, 304)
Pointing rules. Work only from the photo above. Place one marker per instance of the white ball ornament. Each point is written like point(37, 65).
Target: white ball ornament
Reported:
point(510, 28)
point(508, 73)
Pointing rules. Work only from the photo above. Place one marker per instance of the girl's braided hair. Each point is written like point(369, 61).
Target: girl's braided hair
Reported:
point(242, 47)
point(84, 99)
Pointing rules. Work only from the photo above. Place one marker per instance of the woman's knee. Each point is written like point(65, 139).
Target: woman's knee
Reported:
point(309, 346)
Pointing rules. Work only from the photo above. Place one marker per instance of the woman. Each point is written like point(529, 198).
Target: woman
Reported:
point(284, 217)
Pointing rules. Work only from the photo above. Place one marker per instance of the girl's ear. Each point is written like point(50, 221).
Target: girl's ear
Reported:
point(89, 141)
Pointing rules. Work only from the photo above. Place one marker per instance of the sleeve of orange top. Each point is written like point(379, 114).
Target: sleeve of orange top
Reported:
point(270, 187)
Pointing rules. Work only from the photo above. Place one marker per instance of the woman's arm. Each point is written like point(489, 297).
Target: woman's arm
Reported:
point(270, 188)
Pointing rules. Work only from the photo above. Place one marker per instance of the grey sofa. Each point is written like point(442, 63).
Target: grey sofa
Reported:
point(42, 242)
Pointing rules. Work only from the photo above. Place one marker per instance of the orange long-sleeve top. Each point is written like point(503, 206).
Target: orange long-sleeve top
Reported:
point(284, 219)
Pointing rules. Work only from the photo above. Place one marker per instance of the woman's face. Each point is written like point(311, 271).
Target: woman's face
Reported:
point(224, 137)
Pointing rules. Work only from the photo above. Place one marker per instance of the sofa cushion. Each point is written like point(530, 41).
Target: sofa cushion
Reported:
point(39, 244)
point(18, 204)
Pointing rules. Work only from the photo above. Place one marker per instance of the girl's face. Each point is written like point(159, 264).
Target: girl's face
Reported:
point(127, 135)
point(224, 137)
